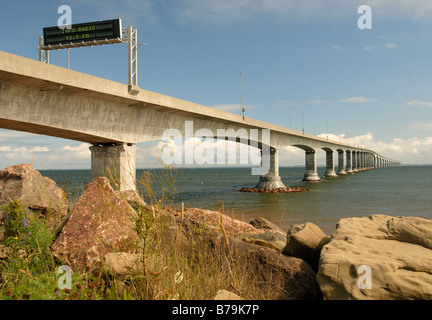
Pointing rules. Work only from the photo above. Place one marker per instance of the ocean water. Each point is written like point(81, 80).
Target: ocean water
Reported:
point(395, 191)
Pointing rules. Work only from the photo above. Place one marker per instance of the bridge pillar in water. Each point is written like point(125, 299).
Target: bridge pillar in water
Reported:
point(341, 163)
point(354, 161)
point(330, 172)
point(360, 161)
point(270, 180)
point(116, 162)
point(371, 164)
point(348, 162)
point(311, 174)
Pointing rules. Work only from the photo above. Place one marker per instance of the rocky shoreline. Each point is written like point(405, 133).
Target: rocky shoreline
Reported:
point(372, 257)
point(276, 190)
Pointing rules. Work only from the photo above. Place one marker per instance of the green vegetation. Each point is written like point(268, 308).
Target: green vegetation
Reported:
point(176, 263)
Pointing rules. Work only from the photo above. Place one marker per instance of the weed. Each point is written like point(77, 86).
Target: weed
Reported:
point(180, 259)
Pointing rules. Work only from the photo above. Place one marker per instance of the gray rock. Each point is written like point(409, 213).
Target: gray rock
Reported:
point(226, 295)
point(38, 193)
point(261, 223)
point(378, 258)
point(101, 222)
point(305, 241)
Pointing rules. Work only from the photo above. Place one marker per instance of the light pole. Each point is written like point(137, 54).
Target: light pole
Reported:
point(303, 118)
point(243, 105)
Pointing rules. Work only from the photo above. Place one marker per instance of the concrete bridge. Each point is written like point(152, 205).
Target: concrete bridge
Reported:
point(45, 99)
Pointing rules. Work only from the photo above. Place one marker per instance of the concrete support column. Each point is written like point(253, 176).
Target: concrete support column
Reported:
point(116, 162)
point(341, 163)
point(271, 180)
point(330, 172)
point(354, 161)
point(348, 162)
point(311, 174)
point(360, 161)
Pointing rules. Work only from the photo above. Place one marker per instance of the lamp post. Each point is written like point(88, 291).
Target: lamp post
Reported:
point(303, 119)
point(243, 105)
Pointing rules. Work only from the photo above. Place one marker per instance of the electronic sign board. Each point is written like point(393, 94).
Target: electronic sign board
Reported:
point(83, 32)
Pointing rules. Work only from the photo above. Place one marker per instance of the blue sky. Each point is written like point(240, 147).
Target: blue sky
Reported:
point(365, 87)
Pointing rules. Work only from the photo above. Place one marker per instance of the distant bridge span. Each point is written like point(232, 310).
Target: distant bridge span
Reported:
point(45, 99)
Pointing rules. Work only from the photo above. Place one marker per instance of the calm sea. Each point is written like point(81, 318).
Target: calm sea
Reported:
point(396, 191)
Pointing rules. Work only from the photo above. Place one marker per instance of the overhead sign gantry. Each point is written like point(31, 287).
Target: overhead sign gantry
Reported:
point(93, 34)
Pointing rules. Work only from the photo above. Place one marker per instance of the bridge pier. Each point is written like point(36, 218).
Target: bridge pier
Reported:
point(341, 163)
point(354, 161)
point(330, 172)
point(117, 162)
point(270, 180)
point(348, 162)
point(360, 161)
point(311, 174)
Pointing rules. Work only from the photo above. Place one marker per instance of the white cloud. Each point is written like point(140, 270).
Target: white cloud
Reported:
point(419, 103)
point(39, 149)
point(358, 100)
point(80, 152)
point(389, 45)
point(21, 149)
point(369, 47)
point(410, 151)
point(5, 149)
point(320, 101)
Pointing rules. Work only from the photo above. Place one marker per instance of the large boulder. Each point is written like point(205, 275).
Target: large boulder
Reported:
point(101, 222)
point(378, 257)
point(261, 271)
point(305, 241)
point(38, 193)
point(258, 231)
point(275, 275)
point(261, 223)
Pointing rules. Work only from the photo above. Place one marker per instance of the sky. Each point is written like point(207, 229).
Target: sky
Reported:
point(366, 87)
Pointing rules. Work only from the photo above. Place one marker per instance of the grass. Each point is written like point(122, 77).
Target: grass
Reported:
point(179, 261)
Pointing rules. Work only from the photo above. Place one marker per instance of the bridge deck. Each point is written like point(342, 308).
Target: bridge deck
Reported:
point(50, 78)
